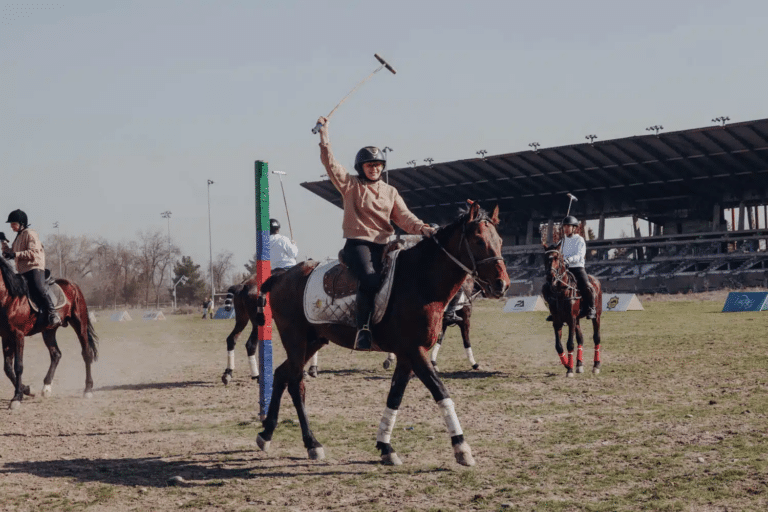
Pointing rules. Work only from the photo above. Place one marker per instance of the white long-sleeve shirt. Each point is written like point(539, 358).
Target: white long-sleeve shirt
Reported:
point(282, 253)
point(574, 250)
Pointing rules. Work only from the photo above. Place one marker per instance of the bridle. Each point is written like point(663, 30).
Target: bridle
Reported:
point(475, 264)
point(559, 276)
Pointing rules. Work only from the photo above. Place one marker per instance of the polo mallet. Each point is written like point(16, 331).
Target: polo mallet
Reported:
point(280, 174)
point(384, 64)
point(573, 198)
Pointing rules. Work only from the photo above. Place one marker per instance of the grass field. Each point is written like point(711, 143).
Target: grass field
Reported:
point(675, 421)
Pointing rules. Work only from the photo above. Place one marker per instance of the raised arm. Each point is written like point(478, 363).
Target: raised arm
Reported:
point(338, 175)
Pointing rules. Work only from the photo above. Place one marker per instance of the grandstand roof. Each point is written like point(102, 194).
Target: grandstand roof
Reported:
point(645, 175)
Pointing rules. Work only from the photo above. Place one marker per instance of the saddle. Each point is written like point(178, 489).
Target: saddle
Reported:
point(54, 291)
point(330, 295)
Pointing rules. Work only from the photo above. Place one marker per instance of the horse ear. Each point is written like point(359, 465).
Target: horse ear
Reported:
point(474, 209)
point(495, 216)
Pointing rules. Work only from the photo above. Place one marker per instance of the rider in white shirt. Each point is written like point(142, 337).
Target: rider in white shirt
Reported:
point(574, 251)
point(282, 250)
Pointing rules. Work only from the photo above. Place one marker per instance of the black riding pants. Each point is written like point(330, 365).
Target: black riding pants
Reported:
point(582, 282)
point(38, 289)
point(364, 260)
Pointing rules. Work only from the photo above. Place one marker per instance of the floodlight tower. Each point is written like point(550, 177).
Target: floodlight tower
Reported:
point(210, 243)
point(167, 215)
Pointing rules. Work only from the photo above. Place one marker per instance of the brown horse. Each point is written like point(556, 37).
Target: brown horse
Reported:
point(18, 320)
point(426, 277)
point(562, 295)
point(464, 314)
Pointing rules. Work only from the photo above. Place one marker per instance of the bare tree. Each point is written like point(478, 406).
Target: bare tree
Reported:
point(153, 256)
point(222, 267)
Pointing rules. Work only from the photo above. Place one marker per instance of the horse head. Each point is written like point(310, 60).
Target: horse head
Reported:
point(554, 264)
point(475, 245)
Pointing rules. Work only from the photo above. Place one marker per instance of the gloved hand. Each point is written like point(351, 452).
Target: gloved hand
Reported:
point(9, 254)
point(428, 230)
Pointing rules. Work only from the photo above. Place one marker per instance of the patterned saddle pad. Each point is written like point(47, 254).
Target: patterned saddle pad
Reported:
point(56, 293)
point(330, 295)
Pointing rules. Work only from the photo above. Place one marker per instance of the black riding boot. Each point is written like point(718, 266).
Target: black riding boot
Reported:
point(450, 315)
point(588, 299)
point(365, 303)
point(48, 311)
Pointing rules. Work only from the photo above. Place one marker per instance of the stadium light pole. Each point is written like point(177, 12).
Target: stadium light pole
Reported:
point(58, 242)
point(482, 153)
point(655, 128)
point(167, 215)
point(210, 242)
point(429, 161)
point(386, 151)
point(591, 139)
point(535, 146)
point(412, 163)
point(722, 120)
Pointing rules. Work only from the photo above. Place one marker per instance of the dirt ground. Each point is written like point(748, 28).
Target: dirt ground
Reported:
point(160, 411)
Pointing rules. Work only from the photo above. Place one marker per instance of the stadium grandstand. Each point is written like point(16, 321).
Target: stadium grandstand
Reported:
point(700, 194)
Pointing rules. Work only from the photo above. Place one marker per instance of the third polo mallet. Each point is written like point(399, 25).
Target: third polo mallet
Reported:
point(280, 174)
point(384, 64)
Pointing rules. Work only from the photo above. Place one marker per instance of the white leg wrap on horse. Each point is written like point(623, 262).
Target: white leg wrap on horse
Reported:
point(254, 366)
point(230, 359)
point(449, 415)
point(470, 356)
point(387, 425)
point(435, 351)
point(313, 360)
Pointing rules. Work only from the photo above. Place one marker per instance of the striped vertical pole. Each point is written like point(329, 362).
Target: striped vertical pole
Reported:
point(263, 271)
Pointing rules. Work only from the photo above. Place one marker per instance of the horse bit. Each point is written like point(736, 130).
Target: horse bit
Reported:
point(559, 276)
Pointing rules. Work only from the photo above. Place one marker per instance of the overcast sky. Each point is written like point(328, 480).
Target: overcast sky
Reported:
point(115, 111)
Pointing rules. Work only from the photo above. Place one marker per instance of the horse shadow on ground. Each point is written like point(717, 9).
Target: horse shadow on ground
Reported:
point(157, 385)
point(209, 470)
point(366, 374)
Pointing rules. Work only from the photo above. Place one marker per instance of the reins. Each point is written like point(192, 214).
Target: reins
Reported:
point(475, 264)
point(558, 277)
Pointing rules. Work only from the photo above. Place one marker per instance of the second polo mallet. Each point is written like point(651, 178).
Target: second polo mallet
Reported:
point(280, 174)
point(573, 198)
point(384, 64)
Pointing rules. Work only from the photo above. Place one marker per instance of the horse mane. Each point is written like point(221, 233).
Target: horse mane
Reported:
point(14, 283)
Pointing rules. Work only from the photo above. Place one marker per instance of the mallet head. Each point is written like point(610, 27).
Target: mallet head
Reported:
point(278, 172)
point(573, 197)
point(384, 63)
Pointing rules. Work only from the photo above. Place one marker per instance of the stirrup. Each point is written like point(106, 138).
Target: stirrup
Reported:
point(363, 339)
point(451, 316)
point(53, 319)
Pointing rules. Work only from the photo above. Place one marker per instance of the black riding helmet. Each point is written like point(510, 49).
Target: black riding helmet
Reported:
point(274, 226)
point(369, 154)
point(570, 221)
point(18, 216)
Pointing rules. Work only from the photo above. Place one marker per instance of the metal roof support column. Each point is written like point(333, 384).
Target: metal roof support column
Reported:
point(716, 217)
point(550, 231)
point(529, 233)
point(741, 216)
point(752, 224)
point(636, 226)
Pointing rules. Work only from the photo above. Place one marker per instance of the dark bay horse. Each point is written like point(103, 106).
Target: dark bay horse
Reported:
point(465, 314)
point(426, 277)
point(18, 320)
point(562, 295)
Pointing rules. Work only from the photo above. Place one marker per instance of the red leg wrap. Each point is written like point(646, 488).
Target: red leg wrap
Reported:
point(570, 360)
point(564, 360)
point(580, 354)
point(597, 353)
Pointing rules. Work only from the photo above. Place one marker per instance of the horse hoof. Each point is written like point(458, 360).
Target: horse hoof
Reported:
point(476, 366)
point(262, 444)
point(316, 453)
point(463, 454)
point(387, 363)
point(226, 378)
point(391, 459)
point(569, 373)
point(88, 395)
point(256, 378)
point(312, 371)
point(595, 370)
point(47, 391)
point(15, 404)
point(579, 369)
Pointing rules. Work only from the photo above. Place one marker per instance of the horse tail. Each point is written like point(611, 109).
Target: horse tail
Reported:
point(93, 340)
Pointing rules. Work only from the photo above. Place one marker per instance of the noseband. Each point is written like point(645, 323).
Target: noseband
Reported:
point(475, 264)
